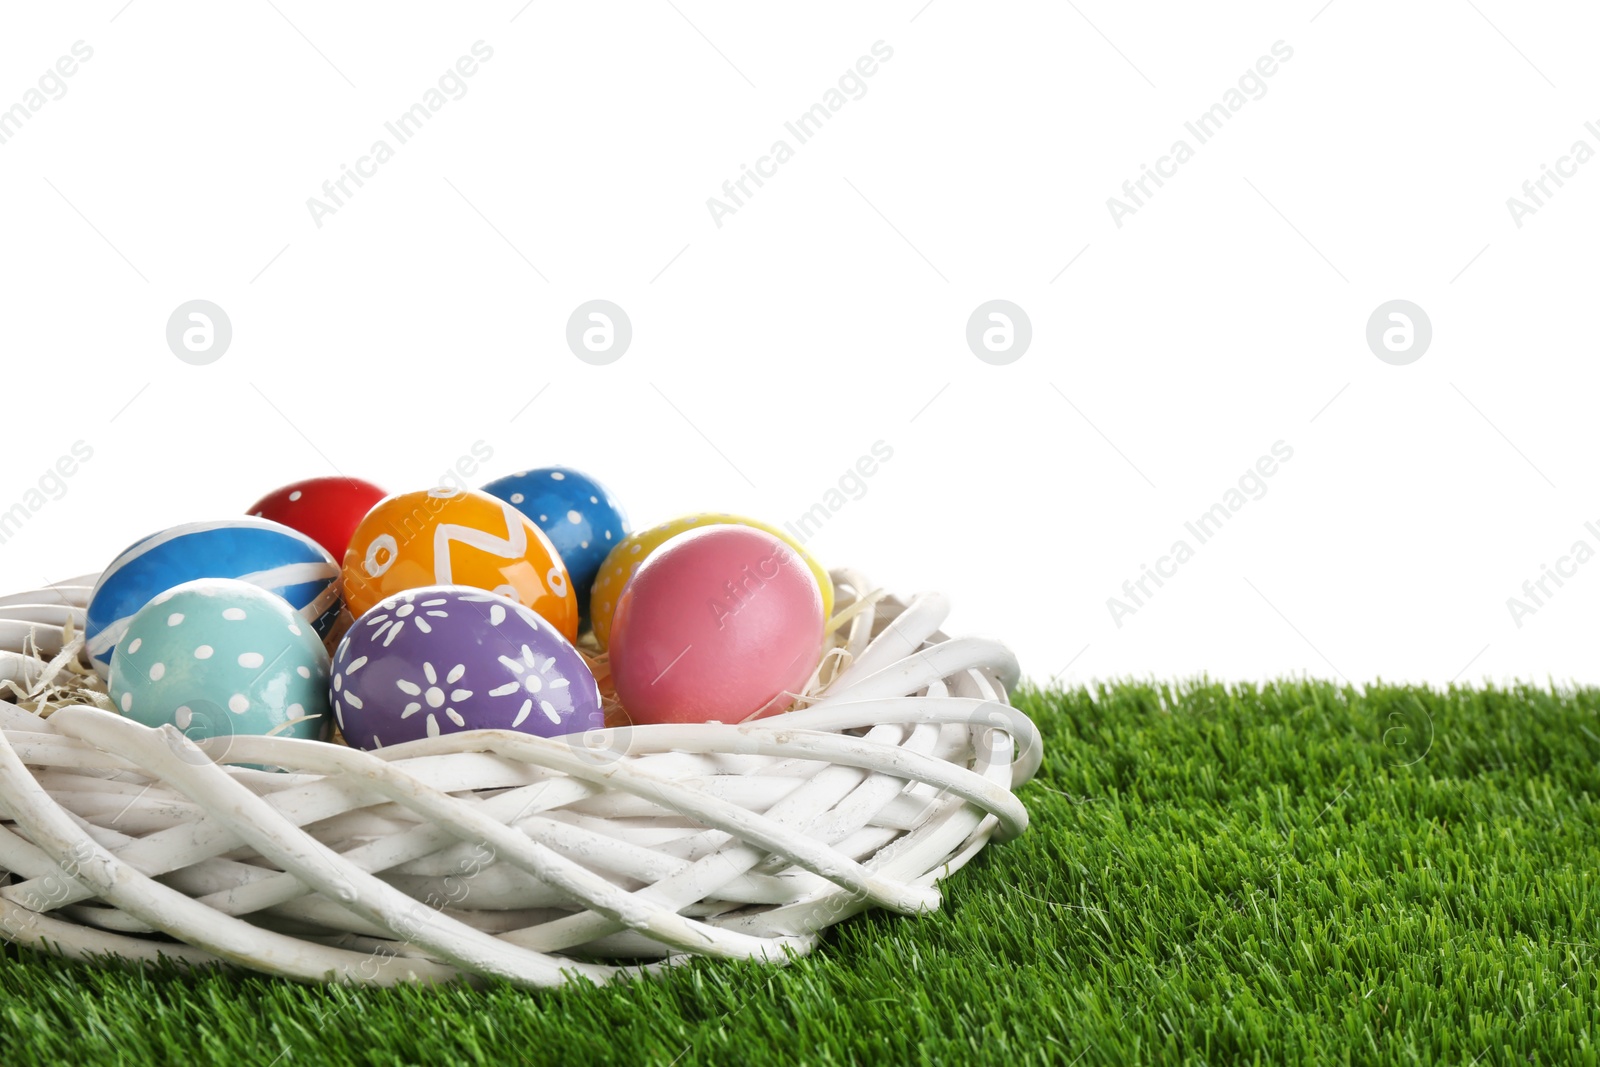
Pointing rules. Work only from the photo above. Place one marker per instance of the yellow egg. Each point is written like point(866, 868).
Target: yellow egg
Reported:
point(623, 560)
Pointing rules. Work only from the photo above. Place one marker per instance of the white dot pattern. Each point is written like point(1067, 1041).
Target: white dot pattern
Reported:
point(273, 682)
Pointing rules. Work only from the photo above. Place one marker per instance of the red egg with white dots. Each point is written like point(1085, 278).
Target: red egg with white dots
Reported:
point(327, 510)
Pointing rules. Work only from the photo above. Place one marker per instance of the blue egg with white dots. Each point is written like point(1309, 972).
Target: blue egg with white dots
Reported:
point(575, 512)
point(220, 657)
point(266, 554)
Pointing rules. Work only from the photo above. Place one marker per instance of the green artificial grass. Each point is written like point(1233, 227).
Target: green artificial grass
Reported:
point(1292, 873)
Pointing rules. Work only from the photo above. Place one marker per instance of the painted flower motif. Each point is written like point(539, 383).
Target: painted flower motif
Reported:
point(532, 678)
point(474, 660)
point(432, 694)
point(341, 695)
point(405, 611)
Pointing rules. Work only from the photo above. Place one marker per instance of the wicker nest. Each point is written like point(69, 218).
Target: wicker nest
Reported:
point(498, 854)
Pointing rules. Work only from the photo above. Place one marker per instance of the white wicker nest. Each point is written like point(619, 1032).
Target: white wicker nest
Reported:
point(498, 854)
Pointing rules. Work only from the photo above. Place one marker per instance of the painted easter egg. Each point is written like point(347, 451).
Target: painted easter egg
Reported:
point(722, 624)
point(636, 548)
point(449, 536)
point(439, 659)
point(258, 551)
point(575, 512)
point(219, 657)
point(327, 510)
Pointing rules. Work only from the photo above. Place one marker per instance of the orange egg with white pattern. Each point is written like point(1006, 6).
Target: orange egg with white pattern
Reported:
point(449, 536)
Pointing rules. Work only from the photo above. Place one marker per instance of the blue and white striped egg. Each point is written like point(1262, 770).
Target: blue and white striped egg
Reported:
point(265, 554)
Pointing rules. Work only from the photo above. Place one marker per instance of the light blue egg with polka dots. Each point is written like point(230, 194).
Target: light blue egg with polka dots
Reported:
point(219, 657)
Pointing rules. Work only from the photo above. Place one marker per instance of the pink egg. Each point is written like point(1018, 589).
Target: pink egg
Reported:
point(719, 624)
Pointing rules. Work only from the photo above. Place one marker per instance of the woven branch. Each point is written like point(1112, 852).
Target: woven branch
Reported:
point(492, 853)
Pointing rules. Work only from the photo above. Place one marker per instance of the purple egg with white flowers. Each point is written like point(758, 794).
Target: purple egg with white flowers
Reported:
point(444, 658)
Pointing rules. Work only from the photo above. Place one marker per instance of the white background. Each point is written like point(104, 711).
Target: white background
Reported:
point(829, 312)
